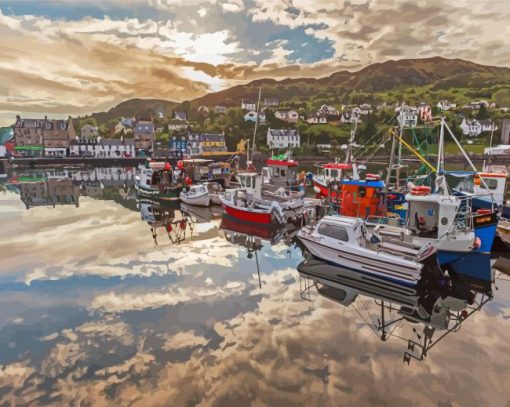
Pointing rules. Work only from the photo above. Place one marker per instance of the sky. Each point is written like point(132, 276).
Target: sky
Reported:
point(60, 57)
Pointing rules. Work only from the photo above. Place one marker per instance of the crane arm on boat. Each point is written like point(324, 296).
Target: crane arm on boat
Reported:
point(412, 150)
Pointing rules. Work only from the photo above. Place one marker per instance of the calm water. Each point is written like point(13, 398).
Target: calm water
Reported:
point(98, 309)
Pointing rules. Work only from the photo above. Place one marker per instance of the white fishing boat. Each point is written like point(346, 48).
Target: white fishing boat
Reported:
point(197, 195)
point(346, 242)
point(203, 194)
point(254, 183)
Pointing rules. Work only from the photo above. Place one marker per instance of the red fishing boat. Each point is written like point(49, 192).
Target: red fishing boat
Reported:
point(329, 173)
point(242, 205)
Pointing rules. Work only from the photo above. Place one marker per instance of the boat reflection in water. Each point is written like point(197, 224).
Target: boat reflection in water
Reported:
point(202, 214)
point(435, 304)
point(252, 236)
point(166, 217)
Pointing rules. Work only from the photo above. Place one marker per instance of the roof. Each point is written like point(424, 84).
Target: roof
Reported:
point(365, 183)
point(337, 166)
point(197, 161)
point(283, 132)
point(211, 137)
point(342, 220)
point(285, 163)
point(117, 142)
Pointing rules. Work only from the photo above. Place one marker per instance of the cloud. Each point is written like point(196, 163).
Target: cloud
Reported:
point(79, 57)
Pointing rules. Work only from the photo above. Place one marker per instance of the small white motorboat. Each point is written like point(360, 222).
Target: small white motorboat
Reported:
point(345, 242)
point(197, 195)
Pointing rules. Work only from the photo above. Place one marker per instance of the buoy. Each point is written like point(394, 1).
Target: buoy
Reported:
point(483, 211)
point(477, 243)
point(421, 191)
point(180, 164)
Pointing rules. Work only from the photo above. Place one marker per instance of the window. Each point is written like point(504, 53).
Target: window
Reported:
point(491, 183)
point(334, 231)
point(334, 173)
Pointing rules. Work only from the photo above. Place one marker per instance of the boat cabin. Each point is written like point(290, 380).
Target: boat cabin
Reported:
point(250, 181)
point(358, 198)
point(281, 173)
point(495, 185)
point(157, 175)
point(333, 171)
point(219, 172)
point(198, 189)
point(434, 215)
point(344, 229)
point(196, 168)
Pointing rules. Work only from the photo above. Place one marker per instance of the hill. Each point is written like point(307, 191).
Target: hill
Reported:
point(134, 107)
point(408, 78)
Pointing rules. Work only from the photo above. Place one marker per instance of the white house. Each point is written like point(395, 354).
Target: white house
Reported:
point(328, 110)
point(408, 116)
point(251, 116)
point(283, 138)
point(445, 105)
point(271, 102)
point(366, 108)
point(316, 119)
point(474, 128)
point(102, 148)
point(351, 116)
point(287, 115)
point(182, 116)
point(248, 105)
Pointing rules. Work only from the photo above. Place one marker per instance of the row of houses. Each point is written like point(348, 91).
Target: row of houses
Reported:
point(38, 137)
point(193, 144)
point(58, 138)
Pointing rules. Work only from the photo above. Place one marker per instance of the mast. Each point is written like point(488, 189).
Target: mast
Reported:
point(399, 157)
point(391, 163)
point(490, 148)
point(348, 157)
point(440, 150)
point(255, 128)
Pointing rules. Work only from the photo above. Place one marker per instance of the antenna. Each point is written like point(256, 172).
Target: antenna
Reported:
point(256, 123)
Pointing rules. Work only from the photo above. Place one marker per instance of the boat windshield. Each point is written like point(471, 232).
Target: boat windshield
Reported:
point(335, 231)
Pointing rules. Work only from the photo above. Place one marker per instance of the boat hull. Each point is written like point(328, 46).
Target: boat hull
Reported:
point(375, 267)
point(197, 200)
point(156, 193)
point(249, 215)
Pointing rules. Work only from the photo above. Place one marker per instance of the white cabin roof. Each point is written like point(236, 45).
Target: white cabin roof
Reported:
point(342, 220)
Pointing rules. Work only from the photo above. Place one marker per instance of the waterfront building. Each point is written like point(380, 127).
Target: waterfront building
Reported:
point(102, 148)
point(42, 137)
point(144, 137)
point(283, 138)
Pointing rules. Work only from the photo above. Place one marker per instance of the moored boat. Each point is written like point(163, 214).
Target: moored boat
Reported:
point(203, 194)
point(197, 195)
point(346, 242)
point(244, 206)
point(158, 180)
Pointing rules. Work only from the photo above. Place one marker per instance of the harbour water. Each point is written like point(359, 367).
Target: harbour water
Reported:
point(102, 305)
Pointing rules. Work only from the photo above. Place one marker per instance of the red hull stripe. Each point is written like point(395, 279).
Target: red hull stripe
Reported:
point(247, 215)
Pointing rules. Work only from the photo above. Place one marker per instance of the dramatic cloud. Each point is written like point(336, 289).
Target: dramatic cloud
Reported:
point(75, 57)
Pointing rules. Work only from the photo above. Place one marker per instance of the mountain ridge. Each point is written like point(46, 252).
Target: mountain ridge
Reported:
point(436, 74)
